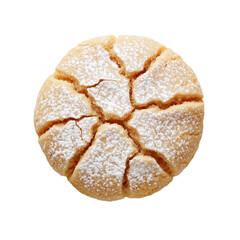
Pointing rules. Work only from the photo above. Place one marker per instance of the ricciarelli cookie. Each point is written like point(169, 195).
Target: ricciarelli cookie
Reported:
point(120, 117)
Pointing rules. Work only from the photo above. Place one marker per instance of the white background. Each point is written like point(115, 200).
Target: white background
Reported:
point(201, 203)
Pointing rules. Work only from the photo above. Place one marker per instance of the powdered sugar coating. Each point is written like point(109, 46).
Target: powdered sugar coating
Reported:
point(168, 78)
point(104, 69)
point(113, 98)
point(62, 142)
point(58, 101)
point(88, 65)
point(100, 171)
point(86, 126)
point(173, 133)
point(145, 176)
point(134, 51)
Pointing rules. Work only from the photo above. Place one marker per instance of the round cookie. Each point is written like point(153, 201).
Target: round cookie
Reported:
point(120, 117)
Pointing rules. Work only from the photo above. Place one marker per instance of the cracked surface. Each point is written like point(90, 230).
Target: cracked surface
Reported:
point(57, 100)
point(63, 143)
point(145, 176)
point(173, 133)
point(135, 51)
point(168, 80)
point(120, 117)
point(113, 98)
point(100, 170)
point(87, 65)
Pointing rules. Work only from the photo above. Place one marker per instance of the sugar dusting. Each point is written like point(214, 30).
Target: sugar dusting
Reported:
point(134, 51)
point(145, 176)
point(143, 169)
point(168, 77)
point(61, 142)
point(113, 98)
point(58, 101)
point(92, 64)
point(89, 64)
point(102, 167)
point(174, 133)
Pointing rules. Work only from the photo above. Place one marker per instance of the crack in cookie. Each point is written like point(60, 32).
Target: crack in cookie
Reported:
point(131, 84)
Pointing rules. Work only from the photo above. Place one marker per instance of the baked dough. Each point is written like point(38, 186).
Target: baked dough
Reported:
point(120, 117)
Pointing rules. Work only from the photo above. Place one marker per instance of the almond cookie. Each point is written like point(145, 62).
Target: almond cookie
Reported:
point(120, 117)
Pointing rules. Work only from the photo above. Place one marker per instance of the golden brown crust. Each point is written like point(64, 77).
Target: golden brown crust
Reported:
point(120, 116)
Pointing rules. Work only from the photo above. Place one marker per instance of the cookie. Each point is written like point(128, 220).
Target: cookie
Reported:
point(120, 117)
